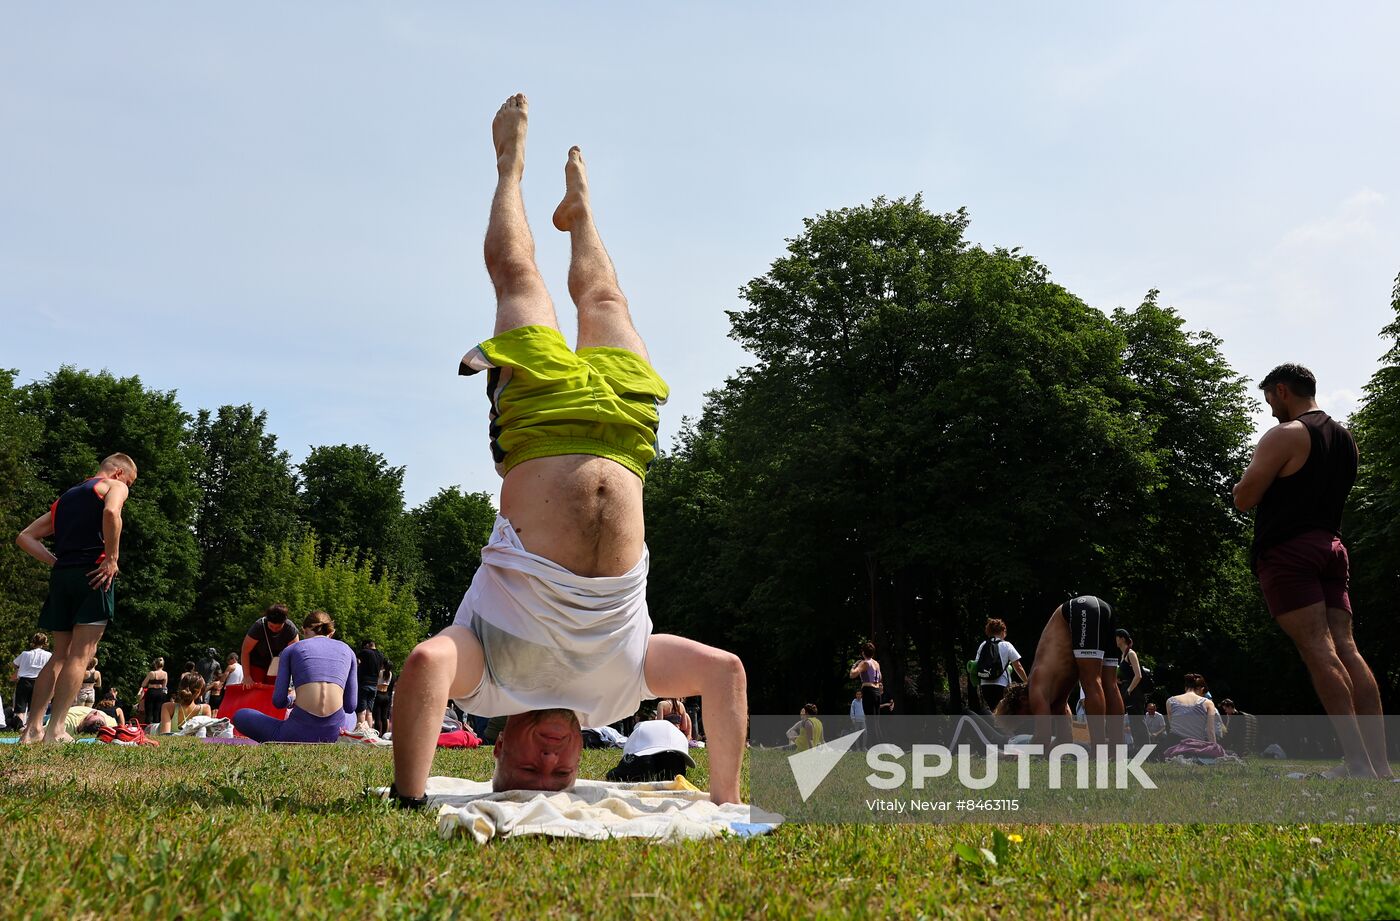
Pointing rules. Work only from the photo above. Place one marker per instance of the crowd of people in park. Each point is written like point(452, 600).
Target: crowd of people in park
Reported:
point(554, 636)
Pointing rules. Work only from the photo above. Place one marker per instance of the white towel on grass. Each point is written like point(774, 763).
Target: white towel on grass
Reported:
point(593, 809)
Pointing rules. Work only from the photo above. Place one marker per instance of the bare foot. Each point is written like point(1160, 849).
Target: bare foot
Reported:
point(29, 738)
point(60, 738)
point(574, 207)
point(508, 134)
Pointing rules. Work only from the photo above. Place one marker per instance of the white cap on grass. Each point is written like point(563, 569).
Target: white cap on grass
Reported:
point(652, 736)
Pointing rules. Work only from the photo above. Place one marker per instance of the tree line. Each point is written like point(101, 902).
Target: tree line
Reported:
point(931, 433)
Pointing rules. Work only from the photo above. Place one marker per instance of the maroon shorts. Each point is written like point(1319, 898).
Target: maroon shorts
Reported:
point(1305, 570)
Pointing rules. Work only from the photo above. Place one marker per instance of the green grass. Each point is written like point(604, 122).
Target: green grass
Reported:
point(202, 831)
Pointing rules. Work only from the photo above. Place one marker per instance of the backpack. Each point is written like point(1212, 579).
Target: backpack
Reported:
point(989, 664)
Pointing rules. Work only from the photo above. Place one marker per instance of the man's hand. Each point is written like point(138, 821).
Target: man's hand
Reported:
point(101, 577)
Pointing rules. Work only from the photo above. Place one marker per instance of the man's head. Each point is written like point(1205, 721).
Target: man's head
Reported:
point(1227, 706)
point(38, 641)
point(996, 627)
point(1015, 702)
point(119, 467)
point(538, 750)
point(1151, 709)
point(368, 644)
point(109, 696)
point(1290, 390)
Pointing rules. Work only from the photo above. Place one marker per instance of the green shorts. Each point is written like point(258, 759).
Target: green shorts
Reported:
point(547, 399)
point(73, 601)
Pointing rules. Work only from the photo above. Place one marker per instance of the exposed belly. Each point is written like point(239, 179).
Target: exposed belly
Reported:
point(580, 511)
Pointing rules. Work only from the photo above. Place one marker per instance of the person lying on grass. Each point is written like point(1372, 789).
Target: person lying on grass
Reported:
point(1077, 645)
point(554, 627)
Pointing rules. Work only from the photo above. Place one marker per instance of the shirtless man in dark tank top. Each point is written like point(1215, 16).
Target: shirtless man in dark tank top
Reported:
point(1298, 481)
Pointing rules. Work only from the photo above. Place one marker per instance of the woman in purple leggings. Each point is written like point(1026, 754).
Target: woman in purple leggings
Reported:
point(323, 672)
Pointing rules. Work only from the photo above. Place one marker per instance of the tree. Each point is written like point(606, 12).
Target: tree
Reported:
point(353, 499)
point(365, 605)
point(450, 529)
point(83, 417)
point(934, 433)
point(1373, 519)
point(23, 581)
point(248, 504)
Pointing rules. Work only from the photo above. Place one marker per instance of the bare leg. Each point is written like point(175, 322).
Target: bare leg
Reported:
point(81, 649)
point(59, 681)
point(1308, 628)
point(448, 665)
point(521, 298)
point(44, 688)
point(603, 318)
point(1088, 671)
point(678, 667)
point(1365, 695)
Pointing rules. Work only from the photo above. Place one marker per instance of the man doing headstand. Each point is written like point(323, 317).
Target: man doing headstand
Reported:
point(555, 624)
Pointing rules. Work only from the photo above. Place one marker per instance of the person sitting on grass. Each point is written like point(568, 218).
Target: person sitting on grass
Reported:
point(323, 670)
point(107, 703)
point(1193, 721)
point(1076, 645)
point(807, 732)
point(673, 712)
point(555, 626)
point(184, 705)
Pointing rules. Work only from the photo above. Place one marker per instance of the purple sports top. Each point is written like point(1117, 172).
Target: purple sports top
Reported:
point(317, 658)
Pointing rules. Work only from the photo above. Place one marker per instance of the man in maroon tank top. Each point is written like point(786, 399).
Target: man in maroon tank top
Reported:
point(86, 526)
point(1298, 479)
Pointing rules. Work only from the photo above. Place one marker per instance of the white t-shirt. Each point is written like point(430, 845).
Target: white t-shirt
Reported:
point(31, 662)
point(857, 710)
point(1008, 655)
point(235, 676)
point(552, 638)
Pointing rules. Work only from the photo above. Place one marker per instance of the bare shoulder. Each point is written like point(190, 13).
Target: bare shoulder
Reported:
point(1285, 435)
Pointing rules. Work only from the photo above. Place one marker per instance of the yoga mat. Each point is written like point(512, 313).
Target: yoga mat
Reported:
point(242, 697)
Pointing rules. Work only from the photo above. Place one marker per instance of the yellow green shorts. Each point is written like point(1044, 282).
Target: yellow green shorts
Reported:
point(547, 399)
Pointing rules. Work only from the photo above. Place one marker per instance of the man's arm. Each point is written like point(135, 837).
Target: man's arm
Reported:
point(677, 667)
point(112, 502)
point(31, 539)
point(1279, 445)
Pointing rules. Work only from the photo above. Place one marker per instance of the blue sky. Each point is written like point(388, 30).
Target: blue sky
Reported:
point(284, 205)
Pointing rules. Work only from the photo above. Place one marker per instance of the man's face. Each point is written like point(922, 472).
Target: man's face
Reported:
point(1151, 708)
point(1276, 397)
point(538, 750)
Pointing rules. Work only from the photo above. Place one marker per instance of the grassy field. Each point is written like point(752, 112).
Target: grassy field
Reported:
point(201, 831)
